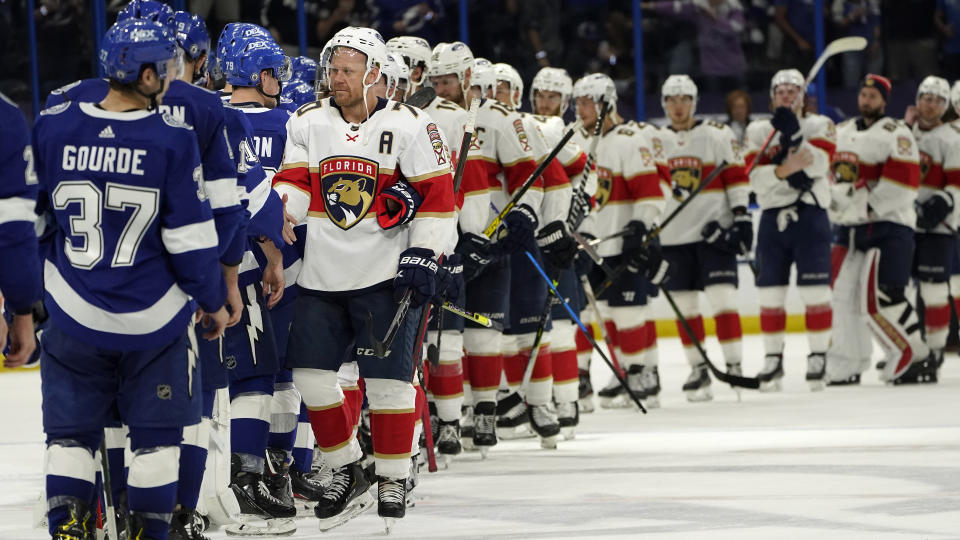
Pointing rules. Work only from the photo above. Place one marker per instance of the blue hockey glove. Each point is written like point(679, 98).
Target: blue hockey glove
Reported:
point(518, 233)
point(742, 230)
point(475, 254)
point(417, 271)
point(934, 210)
point(397, 205)
point(449, 279)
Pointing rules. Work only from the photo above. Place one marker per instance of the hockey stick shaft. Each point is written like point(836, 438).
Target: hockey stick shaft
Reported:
point(722, 376)
point(659, 228)
point(535, 351)
point(381, 347)
point(572, 223)
point(465, 144)
point(595, 308)
point(492, 227)
point(471, 316)
point(837, 46)
point(114, 533)
point(586, 332)
point(425, 416)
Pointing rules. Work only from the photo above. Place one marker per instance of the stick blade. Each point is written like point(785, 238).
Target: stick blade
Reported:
point(846, 44)
point(422, 97)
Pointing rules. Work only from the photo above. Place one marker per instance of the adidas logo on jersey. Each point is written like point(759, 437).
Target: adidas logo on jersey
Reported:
point(107, 133)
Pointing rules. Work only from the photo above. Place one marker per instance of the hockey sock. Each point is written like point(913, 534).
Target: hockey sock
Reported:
point(446, 378)
point(723, 298)
point(484, 362)
point(348, 377)
point(70, 470)
point(332, 422)
point(392, 418)
point(773, 317)
point(193, 461)
point(540, 391)
point(652, 356)
point(283, 413)
point(152, 481)
point(631, 334)
point(513, 362)
point(303, 445)
point(688, 303)
point(250, 401)
point(584, 350)
point(563, 354)
point(420, 403)
point(936, 312)
point(819, 315)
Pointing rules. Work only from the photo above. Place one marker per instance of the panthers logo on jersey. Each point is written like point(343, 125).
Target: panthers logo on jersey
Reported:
point(685, 176)
point(604, 186)
point(846, 167)
point(349, 186)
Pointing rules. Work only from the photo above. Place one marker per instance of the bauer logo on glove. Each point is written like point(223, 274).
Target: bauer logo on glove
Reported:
point(397, 205)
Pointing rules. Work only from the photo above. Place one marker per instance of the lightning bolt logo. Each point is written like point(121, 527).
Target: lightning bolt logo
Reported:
point(255, 326)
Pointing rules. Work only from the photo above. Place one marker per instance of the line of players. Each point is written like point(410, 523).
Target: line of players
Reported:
point(253, 408)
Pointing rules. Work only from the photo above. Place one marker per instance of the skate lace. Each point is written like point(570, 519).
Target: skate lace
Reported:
point(649, 379)
point(392, 491)
point(447, 433)
point(338, 485)
point(484, 423)
point(265, 493)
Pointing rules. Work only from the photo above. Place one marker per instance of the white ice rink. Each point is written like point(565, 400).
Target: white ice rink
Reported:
point(869, 462)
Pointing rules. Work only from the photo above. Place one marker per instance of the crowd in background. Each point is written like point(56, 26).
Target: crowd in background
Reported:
point(726, 45)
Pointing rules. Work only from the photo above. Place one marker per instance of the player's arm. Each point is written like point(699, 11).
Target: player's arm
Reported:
point(294, 177)
point(951, 172)
point(220, 182)
point(515, 156)
point(642, 180)
point(428, 172)
point(900, 173)
point(734, 176)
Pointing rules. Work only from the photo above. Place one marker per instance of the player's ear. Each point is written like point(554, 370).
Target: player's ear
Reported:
point(373, 75)
point(148, 75)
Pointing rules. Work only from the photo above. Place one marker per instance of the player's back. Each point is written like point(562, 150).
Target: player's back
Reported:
point(269, 133)
point(119, 186)
point(82, 90)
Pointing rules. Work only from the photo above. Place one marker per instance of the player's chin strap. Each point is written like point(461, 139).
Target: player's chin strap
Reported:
point(276, 96)
point(152, 97)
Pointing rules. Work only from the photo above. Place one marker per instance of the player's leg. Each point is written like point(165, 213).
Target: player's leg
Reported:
point(446, 384)
point(811, 254)
point(718, 274)
point(563, 353)
point(684, 285)
point(627, 300)
point(773, 277)
point(934, 255)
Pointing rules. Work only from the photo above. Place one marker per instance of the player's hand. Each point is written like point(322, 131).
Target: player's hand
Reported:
point(216, 322)
point(289, 222)
point(797, 160)
point(273, 283)
point(234, 305)
point(22, 341)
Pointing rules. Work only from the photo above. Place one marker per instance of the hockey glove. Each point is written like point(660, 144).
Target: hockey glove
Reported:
point(800, 181)
point(934, 210)
point(650, 261)
point(720, 238)
point(449, 279)
point(580, 206)
point(397, 205)
point(742, 230)
point(785, 121)
point(556, 245)
point(417, 271)
point(518, 233)
point(633, 240)
point(474, 254)
point(582, 263)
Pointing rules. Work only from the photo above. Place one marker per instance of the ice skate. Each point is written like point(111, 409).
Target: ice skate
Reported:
point(307, 488)
point(816, 370)
point(345, 498)
point(635, 383)
point(277, 476)
point(512, 419)
point(650, 382)
point(614, 396)
point(413, 480)
point(466, 428)
point(80, 523)
point(186, 524)
point(585, 403)
point(568, 416)
point(920, 371)
point(484, 421)
point(261, 513)
point(697, 388)
point(849, 381)
point(448, 441)
point(391, 497)
point(772, 373)
point(543, 420)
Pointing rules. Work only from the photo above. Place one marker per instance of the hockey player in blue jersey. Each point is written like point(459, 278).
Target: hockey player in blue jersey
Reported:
point(19, 283)
point(134, 253)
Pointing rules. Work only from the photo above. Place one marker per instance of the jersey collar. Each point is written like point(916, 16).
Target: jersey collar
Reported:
point(381, 103)
point(861, 125)
point(92, 109)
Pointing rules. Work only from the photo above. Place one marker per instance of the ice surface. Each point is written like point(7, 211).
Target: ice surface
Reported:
point(871, 462)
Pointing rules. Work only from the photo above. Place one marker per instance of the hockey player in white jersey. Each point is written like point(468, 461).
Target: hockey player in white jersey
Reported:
point(877, 175)
point(791, 181)
point(415, 52)
point(340, 154)
point(703, 242)
point(500, 160)
point(629, 197)
point(939, 191)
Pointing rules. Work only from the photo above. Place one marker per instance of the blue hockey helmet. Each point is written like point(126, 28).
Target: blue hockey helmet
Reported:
point(151, 10)
point(300, 93)
point(247, 57)
point(133, 43)
point(303, 68)
point(231, 32)
point(192, 35)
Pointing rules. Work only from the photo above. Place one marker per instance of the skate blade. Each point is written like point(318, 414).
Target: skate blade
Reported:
point(771, 386)
point(522, 431)
point(569, 433)
point(443, 461)
point(548, 443)
point(356, 507)
point(388, 524)
point(304, 508)
point(817, 386)
point(257, 527)
point(698, 396)
point(585, 405)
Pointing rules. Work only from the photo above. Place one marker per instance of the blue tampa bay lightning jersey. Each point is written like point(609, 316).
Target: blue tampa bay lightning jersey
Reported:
point(134, 235)
point(20, 270)
point(202, 110)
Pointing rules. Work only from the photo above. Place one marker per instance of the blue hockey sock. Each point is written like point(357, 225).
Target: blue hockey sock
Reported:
point(303, 445)
point(152, 480)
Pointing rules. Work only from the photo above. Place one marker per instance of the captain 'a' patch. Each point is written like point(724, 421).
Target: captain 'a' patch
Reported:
point(349, 185)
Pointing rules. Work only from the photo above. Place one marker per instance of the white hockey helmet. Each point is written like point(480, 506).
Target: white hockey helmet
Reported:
point(448, 58)
point(937, 86)
point(551, 79)
point(483, 75)
point(366, 40)
point(507, 73)
point(597, 86)
point(678, 85)
point(395, 70)
point(415, 51)
point(955, 96)
point(787, 76)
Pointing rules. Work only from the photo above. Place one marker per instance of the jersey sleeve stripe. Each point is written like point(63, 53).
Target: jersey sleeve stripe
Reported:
point(222, 193)
point(192, 237)
point(17, 209)
point(295, 165)
point(428, 176)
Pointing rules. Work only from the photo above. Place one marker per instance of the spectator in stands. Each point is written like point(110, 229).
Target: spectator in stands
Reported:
point(911, 38)
point(719, 25)
point(540, 25)
point(948, 23)
point(739, 108)
point(324, 19)
point(421, 18)
point(859, 18)
point(796, 19)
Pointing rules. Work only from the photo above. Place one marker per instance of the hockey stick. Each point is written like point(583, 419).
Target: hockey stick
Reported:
point(114, 533)
point(418, 360)
point(422, 97)
point(837, 46)
point(722, 376)
point(495, 224)
point(597, 241)
point(575, 218)
point(584, 245)
point(659, 228)
point(471, 316)
point(595, 308)
point(586, 332)
point(381, 347)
